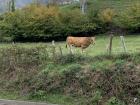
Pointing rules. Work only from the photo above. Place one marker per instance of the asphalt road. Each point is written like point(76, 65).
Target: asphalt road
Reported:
point(14, 102)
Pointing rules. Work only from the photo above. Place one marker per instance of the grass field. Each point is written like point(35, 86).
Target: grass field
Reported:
point(132, 44)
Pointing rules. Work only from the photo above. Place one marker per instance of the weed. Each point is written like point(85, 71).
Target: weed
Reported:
point(114, 101)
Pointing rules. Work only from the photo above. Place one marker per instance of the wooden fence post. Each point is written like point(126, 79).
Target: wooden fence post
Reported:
point(60, 50)
point(53, 49)
point(110, 44)
point(47, 51)
point(123, 43)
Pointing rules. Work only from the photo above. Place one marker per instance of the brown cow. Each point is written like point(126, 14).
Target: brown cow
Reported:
point(81, 42)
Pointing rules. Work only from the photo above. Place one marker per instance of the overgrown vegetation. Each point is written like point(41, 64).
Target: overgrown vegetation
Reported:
point(82, 79)
point(41, 23)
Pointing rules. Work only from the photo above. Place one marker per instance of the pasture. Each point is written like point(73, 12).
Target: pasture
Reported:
point(132, 44)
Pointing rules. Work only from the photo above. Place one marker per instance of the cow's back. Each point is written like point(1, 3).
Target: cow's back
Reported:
point(79, 41)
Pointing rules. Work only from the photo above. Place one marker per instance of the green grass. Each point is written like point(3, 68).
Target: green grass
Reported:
point(9, 95)
point(49, 98)
point(132, 44)
point(57, 99)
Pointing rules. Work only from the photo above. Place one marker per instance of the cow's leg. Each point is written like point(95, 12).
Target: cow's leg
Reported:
point(74, 49)
point(82, 50)
point(71, 50)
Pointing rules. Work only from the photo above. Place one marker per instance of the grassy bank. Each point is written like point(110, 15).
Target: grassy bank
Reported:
point(69, 79)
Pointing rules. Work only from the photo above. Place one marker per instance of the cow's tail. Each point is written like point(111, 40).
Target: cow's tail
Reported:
point(66, 45)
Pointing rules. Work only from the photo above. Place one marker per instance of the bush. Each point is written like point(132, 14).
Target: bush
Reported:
point(97, 66)
point(25, 70)
point(19, 64)
point(75, 22)
point(70, 58)
point(129, 18)
point(32, 22)
point(71, 70)
point(114, 101)
point(5, 39)
point(107, 15)
point(97, 98)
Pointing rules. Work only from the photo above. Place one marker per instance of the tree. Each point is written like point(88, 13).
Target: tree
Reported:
point(129, 18)
point(83, 5)
point(38, 2)
point(11, 6)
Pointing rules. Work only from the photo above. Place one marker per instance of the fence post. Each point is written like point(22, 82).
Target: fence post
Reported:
point(110, 44)
point(60, 50)
point(123, 43)
point(13, 43)
point(53, 49)
point(47, 51)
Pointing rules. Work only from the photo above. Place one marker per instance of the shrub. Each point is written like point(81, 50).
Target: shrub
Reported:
point(97, 98)
point(71, 58)
point(136, 58)
point(20, 65)
point(71, 70)
point(107, 15)
point(93, 15)
point(129, 18)
point(114, 101)
point(75, 22)
point(35, 23)
point(5, 39)
point(97, 66)
point(32, 22)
